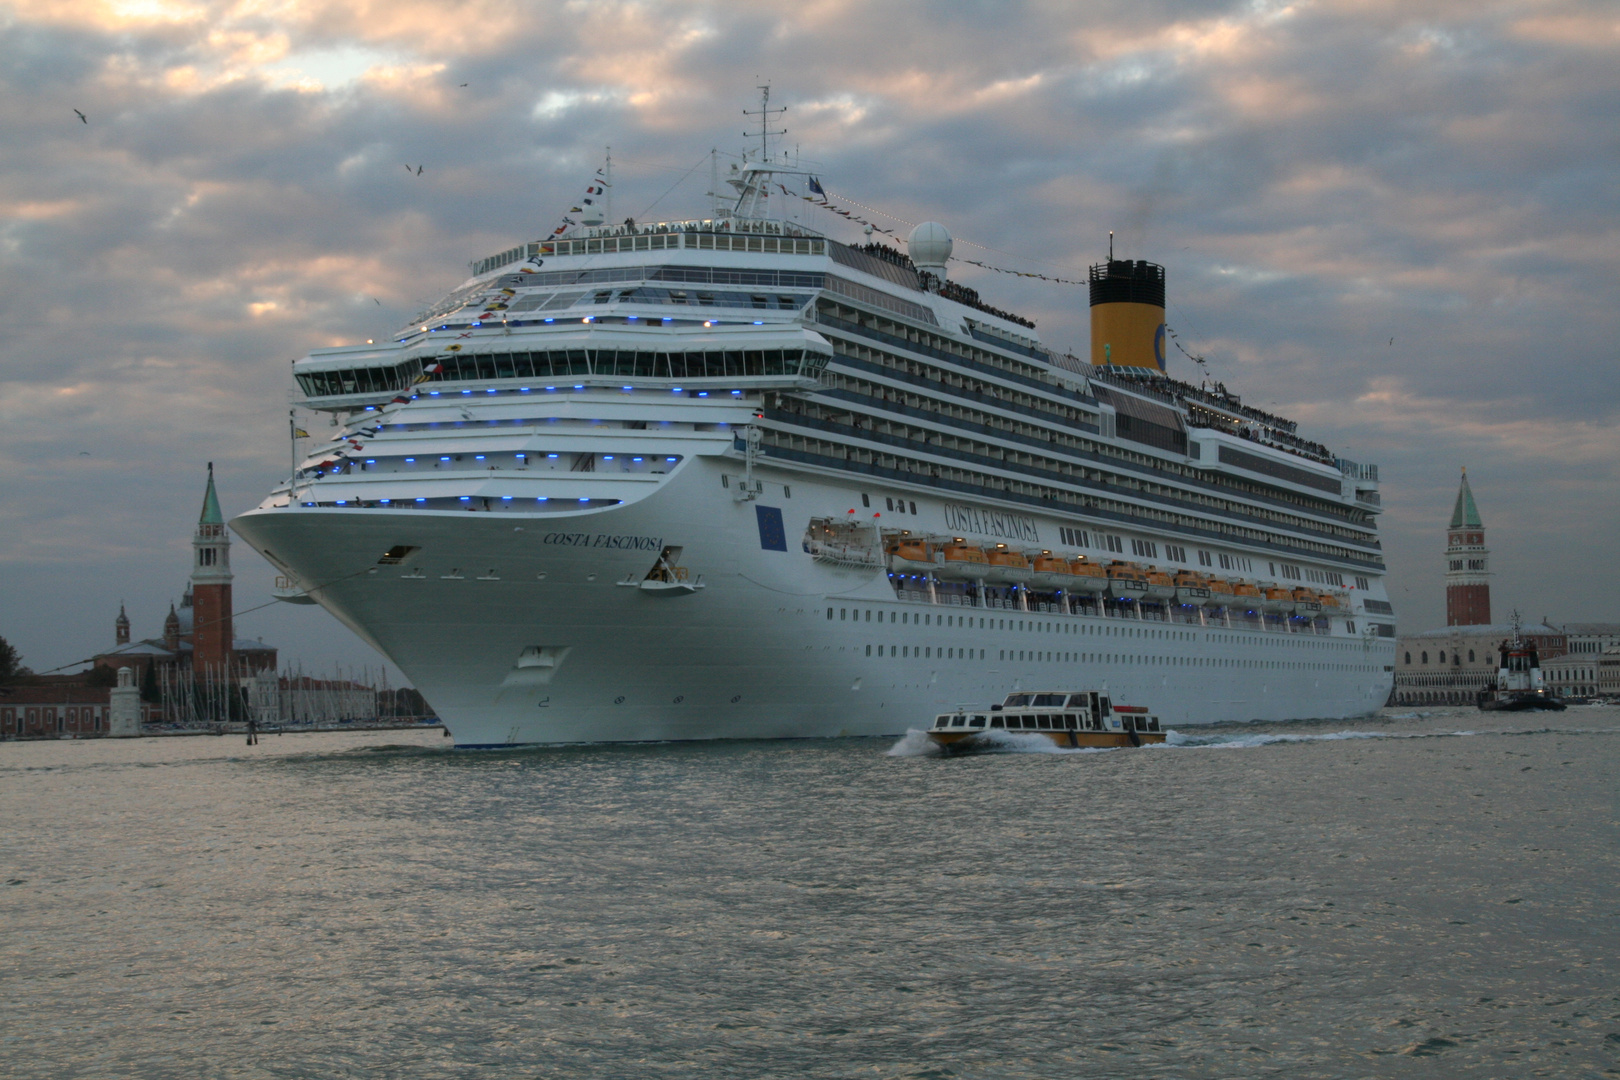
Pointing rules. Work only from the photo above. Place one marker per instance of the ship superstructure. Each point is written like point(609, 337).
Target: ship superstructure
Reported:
point(732, 478)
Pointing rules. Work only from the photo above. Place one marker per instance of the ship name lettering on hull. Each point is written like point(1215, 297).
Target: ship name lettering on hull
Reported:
point(969, 519)
point(599, 540)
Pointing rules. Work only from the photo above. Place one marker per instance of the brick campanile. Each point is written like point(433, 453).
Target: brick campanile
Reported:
point(1468, 564)
point(211, 630)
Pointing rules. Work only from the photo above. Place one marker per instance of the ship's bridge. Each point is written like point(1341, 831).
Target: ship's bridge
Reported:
point(610, 351)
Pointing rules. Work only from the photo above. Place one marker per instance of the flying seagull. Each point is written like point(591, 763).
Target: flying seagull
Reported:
point(419, 173)
point(463, 84)
point(81, 116)
point(376, 301)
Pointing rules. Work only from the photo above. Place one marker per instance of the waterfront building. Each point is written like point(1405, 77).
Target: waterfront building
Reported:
point(199, 634)
point(1468, 569)
point(1451, 665)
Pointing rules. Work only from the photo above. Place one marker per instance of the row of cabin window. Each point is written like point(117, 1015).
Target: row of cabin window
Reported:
point(867, 354)
point(649, 295)
point(842, 452)
point(623, 362)
point(971, 445)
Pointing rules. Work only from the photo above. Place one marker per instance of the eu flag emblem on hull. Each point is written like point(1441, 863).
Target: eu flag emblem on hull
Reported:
point(772, 535)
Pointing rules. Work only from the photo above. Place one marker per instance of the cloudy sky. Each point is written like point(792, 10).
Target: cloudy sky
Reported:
point(1394, 221)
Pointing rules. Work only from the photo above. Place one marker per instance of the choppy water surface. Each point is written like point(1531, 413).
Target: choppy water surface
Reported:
point(1428, 895)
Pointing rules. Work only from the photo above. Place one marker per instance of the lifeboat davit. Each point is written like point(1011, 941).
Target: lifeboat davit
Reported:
point(1087, 577)
point(1273, 599)
point(1126, 582)
point(962, 562)
point(908, 556)
point(1307, 602)
point(1050, 572)
point(1191, 589)
point(1007, 567)
point(1159, 585)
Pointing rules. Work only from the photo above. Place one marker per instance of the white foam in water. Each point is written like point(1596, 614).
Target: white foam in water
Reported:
point(1240, 742)
point(916, 743)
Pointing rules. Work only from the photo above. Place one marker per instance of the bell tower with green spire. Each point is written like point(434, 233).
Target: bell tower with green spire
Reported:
point(1468, 564)
point(212, 633)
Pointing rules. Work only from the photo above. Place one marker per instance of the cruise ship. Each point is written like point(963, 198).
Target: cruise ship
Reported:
point(732, 478)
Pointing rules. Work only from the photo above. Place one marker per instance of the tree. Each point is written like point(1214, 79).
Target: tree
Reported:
point(10, 663)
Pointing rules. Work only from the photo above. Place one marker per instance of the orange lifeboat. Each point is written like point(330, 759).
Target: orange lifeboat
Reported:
point(1126, 582)
point(1159, 585)
point(1088, 576)
point(963, 562)
point(911, 555)
point(1245, 596)
point(1192, 590)
point(1307, 602)
point(1220, 592)
point(1050, 572)
point(1275, 599)
point(1006, 567)
point(1330, 603)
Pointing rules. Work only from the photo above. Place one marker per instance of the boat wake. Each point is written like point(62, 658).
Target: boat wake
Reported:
point(916, 743)
point(1245, 741)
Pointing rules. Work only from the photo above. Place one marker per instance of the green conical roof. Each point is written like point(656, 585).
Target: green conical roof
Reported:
point(211, 514)
point(1465, 515)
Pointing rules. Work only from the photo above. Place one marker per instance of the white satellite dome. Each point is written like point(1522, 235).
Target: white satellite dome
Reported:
point(930, 247)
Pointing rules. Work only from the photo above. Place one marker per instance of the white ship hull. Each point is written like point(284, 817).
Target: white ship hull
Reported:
point(516, 627)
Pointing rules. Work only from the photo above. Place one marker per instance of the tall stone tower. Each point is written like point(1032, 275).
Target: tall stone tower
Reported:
point(121, 626)
point(1468, 564)
point(211, 630)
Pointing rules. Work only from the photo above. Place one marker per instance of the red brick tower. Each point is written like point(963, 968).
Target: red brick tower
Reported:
point(1468, 564)
point(211, 630)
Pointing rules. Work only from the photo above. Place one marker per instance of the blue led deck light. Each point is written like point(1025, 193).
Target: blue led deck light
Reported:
point(421, 500)
point(466, 498)
point(433, 393)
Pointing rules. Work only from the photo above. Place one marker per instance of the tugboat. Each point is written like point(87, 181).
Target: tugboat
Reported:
point(1518, 680)
point(1071, 720)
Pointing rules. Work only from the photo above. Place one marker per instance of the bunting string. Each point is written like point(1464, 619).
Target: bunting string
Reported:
point(825, 203)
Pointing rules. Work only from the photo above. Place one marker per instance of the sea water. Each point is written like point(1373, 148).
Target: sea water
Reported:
point(1420, 894)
